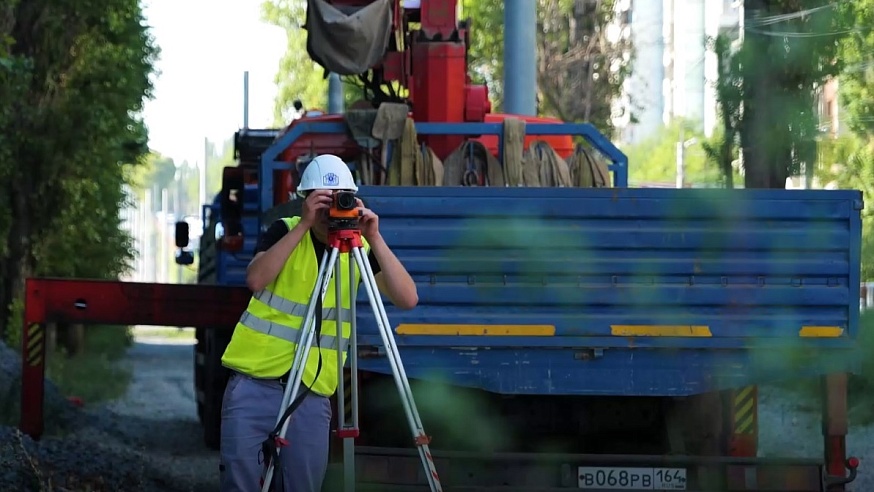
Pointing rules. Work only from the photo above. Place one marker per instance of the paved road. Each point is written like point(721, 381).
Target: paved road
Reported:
point(160, 403)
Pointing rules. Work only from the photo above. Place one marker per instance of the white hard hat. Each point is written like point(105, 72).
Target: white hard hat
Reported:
point(326, 172)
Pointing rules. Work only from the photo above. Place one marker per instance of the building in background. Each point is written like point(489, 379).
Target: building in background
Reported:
point(673, 71)
point(151, 225)
point(828, 108)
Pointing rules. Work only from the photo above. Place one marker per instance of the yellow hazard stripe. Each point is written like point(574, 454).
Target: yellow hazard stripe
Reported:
point(820, 331)
point(35, 344)
point(474, 330)
point(745, 410)
point(660, 331)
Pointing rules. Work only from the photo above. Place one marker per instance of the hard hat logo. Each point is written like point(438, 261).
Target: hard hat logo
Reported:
point(330, 179)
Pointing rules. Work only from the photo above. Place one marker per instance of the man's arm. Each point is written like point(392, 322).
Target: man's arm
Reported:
point(273, 250)
point(392, 279)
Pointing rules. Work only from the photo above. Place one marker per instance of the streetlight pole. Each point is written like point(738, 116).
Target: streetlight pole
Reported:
point(682, 145)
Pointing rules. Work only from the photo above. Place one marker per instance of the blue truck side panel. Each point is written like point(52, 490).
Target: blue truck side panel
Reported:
point(750, 268)
point(745, 271)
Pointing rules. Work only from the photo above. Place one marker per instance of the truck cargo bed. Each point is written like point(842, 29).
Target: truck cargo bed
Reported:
point(649, 292)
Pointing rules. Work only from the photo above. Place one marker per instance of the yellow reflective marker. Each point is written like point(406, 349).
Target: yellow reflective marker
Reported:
point(660, 331)
point(820, 331)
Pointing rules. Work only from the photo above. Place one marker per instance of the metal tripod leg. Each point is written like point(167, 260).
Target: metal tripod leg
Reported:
point(397, 367)
point(344, 430)
point(326, 269)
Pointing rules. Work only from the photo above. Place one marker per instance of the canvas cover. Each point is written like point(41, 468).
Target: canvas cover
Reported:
point(348, 40)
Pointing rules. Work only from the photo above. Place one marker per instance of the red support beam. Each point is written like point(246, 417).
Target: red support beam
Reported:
point(111, 302)
point(835, 425)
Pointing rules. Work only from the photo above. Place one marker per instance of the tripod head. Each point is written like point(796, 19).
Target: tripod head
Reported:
point(344, 232)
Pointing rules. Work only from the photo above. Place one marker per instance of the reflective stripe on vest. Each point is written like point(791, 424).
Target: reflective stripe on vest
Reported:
point(288, 333)
point(297, 309)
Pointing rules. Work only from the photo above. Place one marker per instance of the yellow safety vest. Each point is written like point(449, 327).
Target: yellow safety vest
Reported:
point(265, 339)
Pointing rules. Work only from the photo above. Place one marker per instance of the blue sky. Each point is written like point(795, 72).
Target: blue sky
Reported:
point(206, 46)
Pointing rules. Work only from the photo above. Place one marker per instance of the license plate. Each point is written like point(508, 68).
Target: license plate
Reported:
point(611, 478)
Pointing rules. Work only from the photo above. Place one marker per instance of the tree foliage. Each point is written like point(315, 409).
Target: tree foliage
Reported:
point(857, 56)
point(767, 88)
point(848, 161)
point(654, 160)
point(299, 77)
point(73, 79)
point(581, 65)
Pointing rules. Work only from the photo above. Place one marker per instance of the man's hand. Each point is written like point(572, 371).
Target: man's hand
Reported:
point(315, 202)
point(368, 221)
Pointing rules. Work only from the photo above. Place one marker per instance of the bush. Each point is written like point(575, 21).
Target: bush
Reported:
point(95, 375)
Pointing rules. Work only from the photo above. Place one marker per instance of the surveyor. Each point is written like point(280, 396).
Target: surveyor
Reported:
point(282, 276)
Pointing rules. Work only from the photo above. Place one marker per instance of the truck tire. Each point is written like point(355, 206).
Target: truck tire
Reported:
point(215, 378)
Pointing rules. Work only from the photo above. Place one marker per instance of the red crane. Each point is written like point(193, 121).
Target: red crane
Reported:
point(423, 63)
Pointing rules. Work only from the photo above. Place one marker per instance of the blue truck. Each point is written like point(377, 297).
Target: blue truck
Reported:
point(578, 338)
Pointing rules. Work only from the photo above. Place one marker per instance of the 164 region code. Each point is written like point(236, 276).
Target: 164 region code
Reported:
point(614, 478)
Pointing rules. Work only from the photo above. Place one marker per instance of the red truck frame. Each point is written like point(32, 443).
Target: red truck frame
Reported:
point(128, 303)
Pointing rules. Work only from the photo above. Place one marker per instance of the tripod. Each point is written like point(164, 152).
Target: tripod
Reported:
point(345, 237)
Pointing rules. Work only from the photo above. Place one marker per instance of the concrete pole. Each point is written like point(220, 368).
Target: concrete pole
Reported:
point(520, 57)
point(201, 192)
point(149, 273)
point(163, 235)
point(246, 100)
point(335, 94)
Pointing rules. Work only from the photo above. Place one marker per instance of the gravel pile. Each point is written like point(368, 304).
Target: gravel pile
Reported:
point(60, 413)
point(125, 446)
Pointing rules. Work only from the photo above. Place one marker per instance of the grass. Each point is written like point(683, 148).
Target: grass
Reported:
point(95, 375)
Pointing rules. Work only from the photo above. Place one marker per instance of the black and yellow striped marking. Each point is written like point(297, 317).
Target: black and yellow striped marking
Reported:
point(745, 411)
point(36, 341)
point(347, 395)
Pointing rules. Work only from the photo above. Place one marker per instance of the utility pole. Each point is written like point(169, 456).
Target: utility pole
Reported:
point(520, 57)
point(246, 100)
point(148, 256)
point(682, 145)
point(335, 94)
point(681, 164)
point(163, 235)
point(202, 191)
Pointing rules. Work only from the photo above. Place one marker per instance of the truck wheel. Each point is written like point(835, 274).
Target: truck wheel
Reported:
point(695, 425)
point(215, 378)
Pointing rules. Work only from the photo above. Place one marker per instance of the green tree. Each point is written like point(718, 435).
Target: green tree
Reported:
point(486, 58)
point(848, 161)
point(299, 77)
point(74, 78)
point(767, 88)
point(580, 69)
point(857, 77)
point(655, 159)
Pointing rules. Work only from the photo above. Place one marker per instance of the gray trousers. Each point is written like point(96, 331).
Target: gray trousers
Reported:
point(249, 412)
